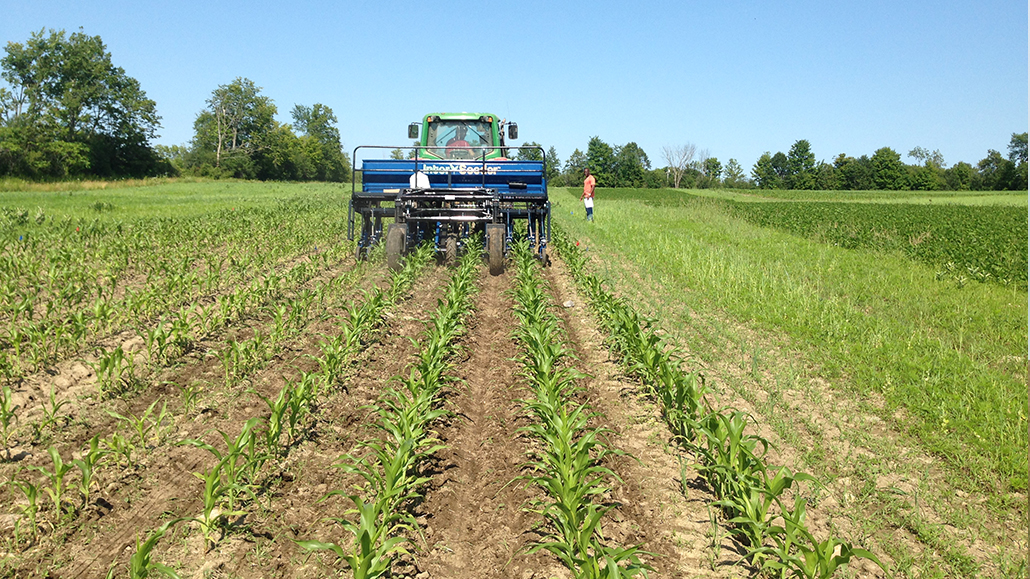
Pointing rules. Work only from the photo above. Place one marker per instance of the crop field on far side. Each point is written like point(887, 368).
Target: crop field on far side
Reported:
point(199, 379)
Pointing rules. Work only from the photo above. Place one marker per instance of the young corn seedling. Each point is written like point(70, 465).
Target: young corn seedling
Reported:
point(7, 417)
point(158, 339)
point(31, 506)
point(190, 396)
point(121, 447)
point(389, 471)
point(57, 485)
point(87, 466)
point(142, 564)
point(182, 328)
point(799, 555)
point(730, 460)
point(148, 428)
point(239, 464)
point(115, 372)
point(334, 358)
point(276, 420)
point(50, 415)
point(217, 491)
point(375, 541)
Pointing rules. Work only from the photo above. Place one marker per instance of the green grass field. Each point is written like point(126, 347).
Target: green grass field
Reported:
point(160, 199)
point(950, 355)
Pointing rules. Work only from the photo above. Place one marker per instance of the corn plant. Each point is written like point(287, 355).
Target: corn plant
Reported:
point(115, 372)
point(121, 447)
point(142, 564)
point(158, 339)
point(376, 541)
point(190, 395)
point(300, 402)
point(730, 458)
point(56, 478)
point(334, 356)
point(148, 428)
point(31, 493)
point(87, 466)
point(276, 420)
point(50, 414)
point(7, 417)
point(217, 491)
point(241, 358)
point(240, 462)
point(799, 555)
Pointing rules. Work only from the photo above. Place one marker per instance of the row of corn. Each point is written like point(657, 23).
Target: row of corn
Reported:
point(390, 465)
point(237, 478)
point(64, 285)
point(567, 461)
point(753, 496)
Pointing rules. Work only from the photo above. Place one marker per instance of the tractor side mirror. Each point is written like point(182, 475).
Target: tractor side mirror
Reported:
point(513, 131)
point(413, 131)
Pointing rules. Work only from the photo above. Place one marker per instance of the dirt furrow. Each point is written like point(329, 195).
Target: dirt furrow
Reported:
point(475, 525)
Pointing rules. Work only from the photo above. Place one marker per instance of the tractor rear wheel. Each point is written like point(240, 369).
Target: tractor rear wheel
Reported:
point(450, 249)
point(396, 239)
point(495, 247)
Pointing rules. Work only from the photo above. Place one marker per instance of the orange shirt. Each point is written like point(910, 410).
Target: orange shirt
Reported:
point(588, 187)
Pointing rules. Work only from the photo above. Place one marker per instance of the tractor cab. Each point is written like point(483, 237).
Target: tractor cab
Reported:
point(461, 136)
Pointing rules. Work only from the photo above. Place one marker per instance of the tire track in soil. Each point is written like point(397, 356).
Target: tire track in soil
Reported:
point(652, 511)
point(474, 523)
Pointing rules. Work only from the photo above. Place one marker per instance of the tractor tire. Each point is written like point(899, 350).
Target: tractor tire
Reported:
point(450, 250)
point(495, 247)
point(396, 239)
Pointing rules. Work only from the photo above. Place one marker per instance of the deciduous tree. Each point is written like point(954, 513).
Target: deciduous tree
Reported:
point(321, 138)
point(69, 109)
point(573, 172)
point(888, 170)
point(678, 159)
point(631, 166)
point(237, 118)
point(1018, 156)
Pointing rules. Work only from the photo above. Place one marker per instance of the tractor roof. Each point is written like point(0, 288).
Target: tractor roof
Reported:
point(461, 116)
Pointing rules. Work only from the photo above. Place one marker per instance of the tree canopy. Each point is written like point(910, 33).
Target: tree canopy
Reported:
point(237, 136)
point(70, 111)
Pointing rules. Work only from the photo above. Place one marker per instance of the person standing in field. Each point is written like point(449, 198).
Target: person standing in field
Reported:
point(589, 184)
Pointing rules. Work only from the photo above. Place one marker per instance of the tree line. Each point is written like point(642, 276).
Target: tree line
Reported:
point(687, 166)
point(68, 111)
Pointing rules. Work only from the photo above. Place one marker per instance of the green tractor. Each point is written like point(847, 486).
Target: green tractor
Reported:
point(462, 136)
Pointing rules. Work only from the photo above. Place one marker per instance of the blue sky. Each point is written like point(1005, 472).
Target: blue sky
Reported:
point(736, 78)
